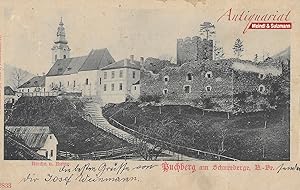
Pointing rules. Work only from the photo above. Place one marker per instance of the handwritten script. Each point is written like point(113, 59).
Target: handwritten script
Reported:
point(91, 173)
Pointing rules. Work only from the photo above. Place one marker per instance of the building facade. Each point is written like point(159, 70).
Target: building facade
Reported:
point(96, 74)
point(195, 81)
point(36, 85)
point(118, 79)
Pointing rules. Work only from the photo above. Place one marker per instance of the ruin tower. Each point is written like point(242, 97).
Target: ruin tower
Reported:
point(194, 49)
point(60, 49)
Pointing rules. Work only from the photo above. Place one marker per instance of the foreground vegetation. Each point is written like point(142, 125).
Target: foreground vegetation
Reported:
point(74, 134)
point(248, 136)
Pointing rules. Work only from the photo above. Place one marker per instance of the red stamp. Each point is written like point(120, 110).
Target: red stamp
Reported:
point(5, 185)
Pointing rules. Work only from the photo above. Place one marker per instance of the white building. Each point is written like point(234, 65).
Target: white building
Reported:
point(38, 138)
point(96, 74)
point(10, 96)
point(79, 74)
point(34, 85)
point(118, 78)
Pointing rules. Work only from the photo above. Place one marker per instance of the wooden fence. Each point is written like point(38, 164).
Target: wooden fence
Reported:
point(106, 154)
point(39, 93)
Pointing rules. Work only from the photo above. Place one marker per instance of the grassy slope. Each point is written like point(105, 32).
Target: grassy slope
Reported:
point(245, 134)
point(74, 134)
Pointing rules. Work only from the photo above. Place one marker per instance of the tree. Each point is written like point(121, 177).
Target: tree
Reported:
point(238, 48)
point(207, 28)
point(18, 77)
point(255, 58)
point(218, 52)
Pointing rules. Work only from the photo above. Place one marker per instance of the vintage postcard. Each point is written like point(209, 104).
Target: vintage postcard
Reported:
point(156, 94)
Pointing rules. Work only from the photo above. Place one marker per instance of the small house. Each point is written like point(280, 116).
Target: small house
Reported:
point(38, 138)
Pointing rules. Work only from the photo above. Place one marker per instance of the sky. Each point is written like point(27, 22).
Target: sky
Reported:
point(125, 28)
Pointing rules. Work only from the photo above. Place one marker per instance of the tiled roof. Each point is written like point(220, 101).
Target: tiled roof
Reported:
point(74, 65)
point(95, 60)
point(8, 91)
point(37, 81)
point(59, 67)
point(123, 64)
point(15, 149)
point(33, 136)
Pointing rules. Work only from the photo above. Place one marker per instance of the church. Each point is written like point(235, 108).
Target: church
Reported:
point(95, 75)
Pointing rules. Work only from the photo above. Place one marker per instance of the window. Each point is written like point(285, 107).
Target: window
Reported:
point(28, 90)
point(51, 153)
point(165, 91)
point(133, 74)
point(208, 88)
point(121, 74)
point(120, 86)
point(86, 81)
point(52, 84)
point(166, 79)
point(68, 83)
point(100, 81)
point(104, 87)
point(261, 76)
point(50, 137)
point(46, 154)
point(112, 87)
point(187, 89)
point(59, 84)
point(65, 56)
point(189, 77)
point(135, 88)
point(261, 88)
point(105, 75)
point(74, 83)
point(113, 74)
point(55, 57)
point(208, 74)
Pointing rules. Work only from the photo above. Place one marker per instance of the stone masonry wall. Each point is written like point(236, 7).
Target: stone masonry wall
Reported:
point(193, 49)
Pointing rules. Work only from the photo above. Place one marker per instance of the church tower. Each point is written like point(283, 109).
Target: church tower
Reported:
point(60, 49)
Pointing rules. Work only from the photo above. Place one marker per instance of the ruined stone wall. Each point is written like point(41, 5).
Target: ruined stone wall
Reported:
point(224, 82)
point(193, 49)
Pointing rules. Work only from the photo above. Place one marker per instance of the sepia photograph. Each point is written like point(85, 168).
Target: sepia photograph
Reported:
point(145, 85)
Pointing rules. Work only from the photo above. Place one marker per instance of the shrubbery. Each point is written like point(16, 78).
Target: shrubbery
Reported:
point(150, 98)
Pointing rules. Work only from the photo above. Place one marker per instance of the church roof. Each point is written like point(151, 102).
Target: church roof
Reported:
point(33, 136)
point(95, 60)
point(74, 65)
point(59, 67)
point(37, 81)
point(125, 63)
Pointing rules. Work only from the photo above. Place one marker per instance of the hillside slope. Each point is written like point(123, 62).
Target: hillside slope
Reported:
point(243, 136)
point(15, 149)
point(74, 134)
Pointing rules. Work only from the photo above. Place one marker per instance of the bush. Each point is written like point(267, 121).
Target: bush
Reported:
point(150, 98)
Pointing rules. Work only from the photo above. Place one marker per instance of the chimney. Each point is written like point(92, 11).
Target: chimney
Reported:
point(131, 58)
point(142, 60)
point(125, 62)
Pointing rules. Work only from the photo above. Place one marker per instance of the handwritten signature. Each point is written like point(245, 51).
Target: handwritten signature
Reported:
point(88, 173)
point(283, 167)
